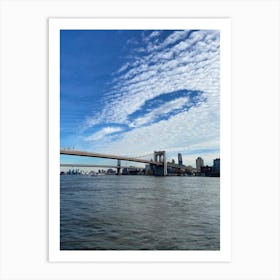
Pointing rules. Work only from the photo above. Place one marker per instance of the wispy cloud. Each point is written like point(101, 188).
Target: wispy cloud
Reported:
point(160, 111)
point(155, 34)
point(102, 133)
point(123, 68)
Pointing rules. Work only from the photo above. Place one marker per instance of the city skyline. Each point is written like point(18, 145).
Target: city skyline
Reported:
point(132, 92)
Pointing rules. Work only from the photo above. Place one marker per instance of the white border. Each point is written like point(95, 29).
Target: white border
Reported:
point(224, 255)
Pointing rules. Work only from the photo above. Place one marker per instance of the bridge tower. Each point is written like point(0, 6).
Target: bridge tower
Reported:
point(160, 170)
point(119, 167)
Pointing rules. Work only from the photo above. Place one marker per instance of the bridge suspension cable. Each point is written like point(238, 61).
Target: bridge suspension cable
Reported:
point(150, 156)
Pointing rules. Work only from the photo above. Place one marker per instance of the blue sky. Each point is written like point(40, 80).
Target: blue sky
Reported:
point(131, 92)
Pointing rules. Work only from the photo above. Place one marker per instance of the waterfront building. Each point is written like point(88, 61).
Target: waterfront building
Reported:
point(132, 171)
point(216, 165)
point(206, 171)
point(148, 170)
point(110, 171)
point(180, 160)
point(199, 164)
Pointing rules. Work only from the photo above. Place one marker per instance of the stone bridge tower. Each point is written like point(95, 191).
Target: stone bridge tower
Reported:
point(160, 170)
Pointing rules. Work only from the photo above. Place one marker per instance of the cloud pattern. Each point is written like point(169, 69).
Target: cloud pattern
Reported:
point(164, 96)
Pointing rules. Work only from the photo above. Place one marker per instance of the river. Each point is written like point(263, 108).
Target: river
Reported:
point(139, 213)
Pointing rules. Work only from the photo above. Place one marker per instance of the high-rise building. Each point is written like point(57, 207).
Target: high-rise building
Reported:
point(216, 165)
point(199, 164)
point(180, 160)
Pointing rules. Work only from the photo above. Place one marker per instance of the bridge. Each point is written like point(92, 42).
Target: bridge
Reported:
point(158, 166)
point(98, 155)
point(95, 165)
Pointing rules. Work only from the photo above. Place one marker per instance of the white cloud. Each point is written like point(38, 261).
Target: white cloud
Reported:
point(154, 34)
point(123, 68)
point(191, 130)
point(171, 39)
point(102, 133)
point(164, 109)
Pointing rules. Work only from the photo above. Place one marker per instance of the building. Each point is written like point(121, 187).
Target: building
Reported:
point(216, 167)
point(132, 171)
point(148, 170)
point(199, 164)
point(206, 171)
point(180, 160)
point(110, 171)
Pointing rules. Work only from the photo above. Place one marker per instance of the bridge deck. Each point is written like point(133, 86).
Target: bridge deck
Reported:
point(98, 155)
point(96, 165)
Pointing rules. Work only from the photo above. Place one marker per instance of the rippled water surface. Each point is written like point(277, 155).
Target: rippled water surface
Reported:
point(139, 213)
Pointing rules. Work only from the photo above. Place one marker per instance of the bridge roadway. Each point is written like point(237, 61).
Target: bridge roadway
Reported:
point(97, 165)
point(98, 155)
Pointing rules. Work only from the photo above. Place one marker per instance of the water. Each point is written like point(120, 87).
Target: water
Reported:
point(139, 213)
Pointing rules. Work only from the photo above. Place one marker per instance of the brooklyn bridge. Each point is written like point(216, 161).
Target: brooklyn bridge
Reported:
point(158, 164)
